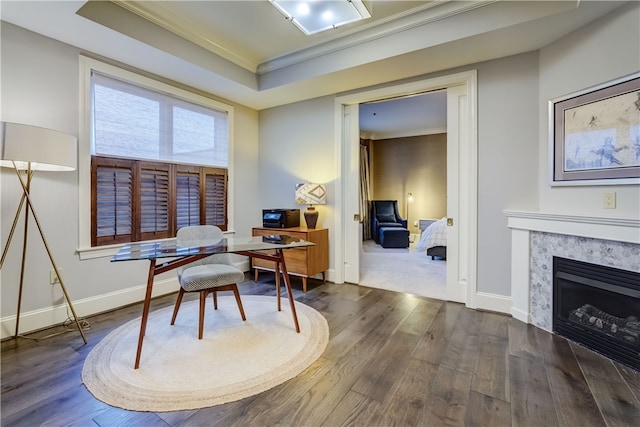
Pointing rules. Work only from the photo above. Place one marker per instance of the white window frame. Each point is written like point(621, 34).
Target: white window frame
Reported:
point(86, 66)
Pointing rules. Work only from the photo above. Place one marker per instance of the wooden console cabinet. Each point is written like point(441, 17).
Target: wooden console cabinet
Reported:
point(303, 262)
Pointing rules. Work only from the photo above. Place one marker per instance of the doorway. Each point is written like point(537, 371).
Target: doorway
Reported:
point(403, 156)
point(462, 166)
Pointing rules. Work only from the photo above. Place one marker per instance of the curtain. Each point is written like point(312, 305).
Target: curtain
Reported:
point(365, 195)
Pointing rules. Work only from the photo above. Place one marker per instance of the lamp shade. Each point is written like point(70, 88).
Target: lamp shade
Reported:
point(45, 149)
point(311, 194)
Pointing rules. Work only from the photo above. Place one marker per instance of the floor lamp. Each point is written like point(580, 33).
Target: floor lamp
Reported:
point(409, 201)
point(26, 149)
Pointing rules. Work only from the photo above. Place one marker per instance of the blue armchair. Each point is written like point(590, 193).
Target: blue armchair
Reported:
point(384, 213)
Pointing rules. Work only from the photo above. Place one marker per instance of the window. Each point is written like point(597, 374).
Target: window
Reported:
point(159, 162)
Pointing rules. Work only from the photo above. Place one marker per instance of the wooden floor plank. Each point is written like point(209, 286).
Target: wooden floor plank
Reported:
point(330, 390)
point(433, 344)
point(569, 388)
point(376, 381)
point(531, 399)
point(406, 402)
point(631, 377)
point(466, 368)
point(491, 373)
point(617, 403)
point(448, 398)
point(353, 410)
point(277, 403)
point(483, 410)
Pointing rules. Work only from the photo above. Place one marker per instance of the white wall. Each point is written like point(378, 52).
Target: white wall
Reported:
point(296, 145)
point(507, 160)
point(40, 87)
point(602, 51)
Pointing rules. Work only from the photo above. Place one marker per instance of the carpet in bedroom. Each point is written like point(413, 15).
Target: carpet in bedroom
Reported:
point(402, 270)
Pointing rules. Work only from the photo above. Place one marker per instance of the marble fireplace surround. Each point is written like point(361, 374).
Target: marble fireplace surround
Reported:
point(537, 237)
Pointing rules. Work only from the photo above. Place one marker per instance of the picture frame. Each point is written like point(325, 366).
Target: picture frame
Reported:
point(594, 135)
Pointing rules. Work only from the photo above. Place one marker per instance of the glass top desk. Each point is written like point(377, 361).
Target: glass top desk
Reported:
point(265, 247)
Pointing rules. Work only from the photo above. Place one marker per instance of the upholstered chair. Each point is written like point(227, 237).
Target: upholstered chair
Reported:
point(384, 213)
point(208, 275)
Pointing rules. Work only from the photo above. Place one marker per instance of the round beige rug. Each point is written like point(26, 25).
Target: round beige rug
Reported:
point(234, 360)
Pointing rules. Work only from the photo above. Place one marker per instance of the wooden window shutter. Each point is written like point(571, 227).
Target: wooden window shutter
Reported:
point(112, 201)
point(155, 200)
point(215, 197)
point(187, 196)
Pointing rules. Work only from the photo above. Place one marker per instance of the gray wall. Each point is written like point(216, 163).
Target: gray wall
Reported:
point(296, 143)
point(507, 160)
point(40, 87)
point(605, 50)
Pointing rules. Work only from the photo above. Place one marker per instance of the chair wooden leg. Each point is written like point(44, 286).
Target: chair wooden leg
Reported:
point(177, 306)
point(203, 297)
point(238, 300)
point(215, 300)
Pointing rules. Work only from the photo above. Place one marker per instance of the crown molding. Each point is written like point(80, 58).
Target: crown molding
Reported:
point(389, 26)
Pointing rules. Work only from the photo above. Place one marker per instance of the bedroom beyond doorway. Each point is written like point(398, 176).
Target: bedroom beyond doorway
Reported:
point(403, 270)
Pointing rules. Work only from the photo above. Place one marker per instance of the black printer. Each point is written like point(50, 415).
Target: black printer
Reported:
point(280, 218)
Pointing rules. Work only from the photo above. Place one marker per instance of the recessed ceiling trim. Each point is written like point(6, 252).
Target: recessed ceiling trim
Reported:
point(418, 17)
point(182, 30)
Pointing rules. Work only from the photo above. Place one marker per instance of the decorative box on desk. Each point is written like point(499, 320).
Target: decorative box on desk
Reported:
point(303, 262)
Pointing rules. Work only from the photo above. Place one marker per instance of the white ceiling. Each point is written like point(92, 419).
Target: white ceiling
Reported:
point(246, 52)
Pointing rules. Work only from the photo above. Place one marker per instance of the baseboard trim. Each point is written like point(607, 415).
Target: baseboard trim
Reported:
point(520, 315)
point(494, 302)
point(44, 318)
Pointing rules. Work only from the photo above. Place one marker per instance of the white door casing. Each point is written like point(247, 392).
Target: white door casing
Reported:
point(461, 102)
point(351, 202)
point(456, 262)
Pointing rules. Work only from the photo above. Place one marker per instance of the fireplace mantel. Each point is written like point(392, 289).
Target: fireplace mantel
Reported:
point(605, 228)
point(525, 223)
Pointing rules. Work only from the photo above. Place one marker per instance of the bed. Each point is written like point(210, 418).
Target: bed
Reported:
point(434, 239)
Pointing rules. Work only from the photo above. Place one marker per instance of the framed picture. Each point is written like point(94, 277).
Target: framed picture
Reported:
point(595, 135)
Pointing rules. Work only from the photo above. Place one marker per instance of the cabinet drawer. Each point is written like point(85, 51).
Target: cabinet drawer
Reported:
point(296, 260)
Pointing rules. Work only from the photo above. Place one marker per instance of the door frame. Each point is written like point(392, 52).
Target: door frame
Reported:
point(467, 179)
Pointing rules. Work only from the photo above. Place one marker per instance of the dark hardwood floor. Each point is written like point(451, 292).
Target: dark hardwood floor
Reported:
point(392, 360)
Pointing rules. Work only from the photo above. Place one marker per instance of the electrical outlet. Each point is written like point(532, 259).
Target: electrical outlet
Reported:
point(609, 201)
point(53, 277)
point(415, 223)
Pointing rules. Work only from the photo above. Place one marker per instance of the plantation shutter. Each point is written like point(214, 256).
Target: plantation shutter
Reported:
point(154, 201)
point(112, 201)
point(215, 190)
point(187, 196)
point(159, 158)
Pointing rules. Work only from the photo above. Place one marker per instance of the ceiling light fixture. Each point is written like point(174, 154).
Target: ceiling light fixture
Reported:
point(314, 16)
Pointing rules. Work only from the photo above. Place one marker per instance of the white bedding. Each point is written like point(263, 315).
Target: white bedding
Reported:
point(433, 235)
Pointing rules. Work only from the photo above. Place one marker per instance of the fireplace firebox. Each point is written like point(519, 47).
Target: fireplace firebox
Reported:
point(598, 307)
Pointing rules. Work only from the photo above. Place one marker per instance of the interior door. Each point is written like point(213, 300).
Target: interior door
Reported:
point(456, 193)
point(351, 202)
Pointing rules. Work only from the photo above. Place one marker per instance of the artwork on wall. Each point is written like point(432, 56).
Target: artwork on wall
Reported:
point(595, 135)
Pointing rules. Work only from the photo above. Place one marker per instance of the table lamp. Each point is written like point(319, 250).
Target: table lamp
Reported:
point(311, 194)
point(26, 149)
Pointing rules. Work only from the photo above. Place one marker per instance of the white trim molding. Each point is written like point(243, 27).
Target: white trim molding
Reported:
point(524, 223)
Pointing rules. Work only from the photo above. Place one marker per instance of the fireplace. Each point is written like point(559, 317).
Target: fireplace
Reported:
point(598, 307)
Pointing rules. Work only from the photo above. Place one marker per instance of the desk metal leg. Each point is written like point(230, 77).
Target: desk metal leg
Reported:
point(145, 311)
